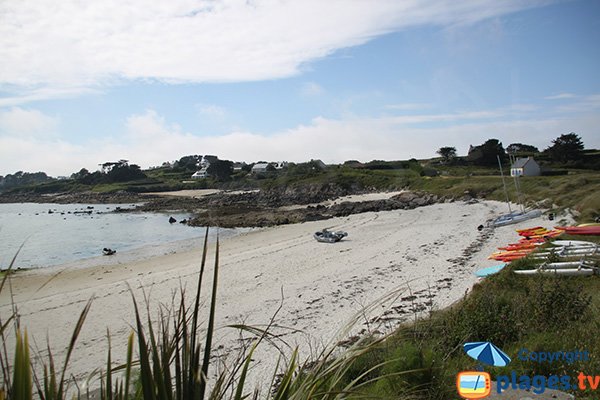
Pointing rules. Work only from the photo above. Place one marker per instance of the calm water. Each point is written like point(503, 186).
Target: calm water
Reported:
point(66, 234)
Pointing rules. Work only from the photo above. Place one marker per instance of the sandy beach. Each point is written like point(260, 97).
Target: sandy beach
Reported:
point(427, 254)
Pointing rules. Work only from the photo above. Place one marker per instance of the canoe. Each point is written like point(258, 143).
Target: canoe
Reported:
point(483, 272)
point(561, 272)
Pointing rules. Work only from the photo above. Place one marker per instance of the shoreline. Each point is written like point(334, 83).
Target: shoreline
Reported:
point(432, 249)
point(45, 237)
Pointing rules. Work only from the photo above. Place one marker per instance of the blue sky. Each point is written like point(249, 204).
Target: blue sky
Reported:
point(84, 83)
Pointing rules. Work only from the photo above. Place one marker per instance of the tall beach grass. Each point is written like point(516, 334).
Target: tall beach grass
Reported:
point(172, 359)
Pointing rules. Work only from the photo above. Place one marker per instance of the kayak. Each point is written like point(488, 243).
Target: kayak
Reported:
point(535, 228)
point(561, 251)
point(542, 233)
point(520, 246)
point(581, 230)
point(489, 270)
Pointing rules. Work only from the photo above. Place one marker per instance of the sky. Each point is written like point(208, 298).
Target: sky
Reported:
point(84, 82)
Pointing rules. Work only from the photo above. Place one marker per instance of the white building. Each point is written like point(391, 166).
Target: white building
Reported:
point(260, 167)
point(203, 171)
point(525, 167)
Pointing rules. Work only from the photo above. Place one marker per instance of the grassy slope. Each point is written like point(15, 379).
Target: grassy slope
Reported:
point(514, 312)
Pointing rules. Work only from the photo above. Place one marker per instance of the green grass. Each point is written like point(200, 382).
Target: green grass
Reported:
point(538, 313)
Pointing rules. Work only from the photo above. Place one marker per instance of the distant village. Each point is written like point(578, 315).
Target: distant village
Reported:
point(205, 162)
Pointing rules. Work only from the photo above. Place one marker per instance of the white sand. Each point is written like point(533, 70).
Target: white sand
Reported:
point(324, 286)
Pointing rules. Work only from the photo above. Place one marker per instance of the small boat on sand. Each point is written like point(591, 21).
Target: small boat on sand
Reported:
point(108, 252)
point(326, 236)
point(516, 217)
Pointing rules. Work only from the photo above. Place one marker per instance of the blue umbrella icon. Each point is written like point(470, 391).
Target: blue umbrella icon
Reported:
point(487, 353)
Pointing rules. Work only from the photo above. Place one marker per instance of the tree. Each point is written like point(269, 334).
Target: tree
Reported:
point(447, 153)
point(78, 176)
point(567, 147)
point(520, 148)
point(221, 170)
point(124, 172)
point(487, 153)
point(20, 178)
point(188, 163)
point(271, 168)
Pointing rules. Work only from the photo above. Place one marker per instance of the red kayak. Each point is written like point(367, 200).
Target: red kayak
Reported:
point(581, 230)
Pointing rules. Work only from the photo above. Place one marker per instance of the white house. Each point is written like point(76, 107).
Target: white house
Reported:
point(203, 171)
point(200, 174)
point(259, 167)
point(525, 167)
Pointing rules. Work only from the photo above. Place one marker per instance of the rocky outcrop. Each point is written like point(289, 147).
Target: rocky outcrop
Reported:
point(403, 201)
point(72, 198)
point(244, 215)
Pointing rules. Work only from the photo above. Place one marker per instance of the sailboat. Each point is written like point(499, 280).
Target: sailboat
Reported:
point(516, 216)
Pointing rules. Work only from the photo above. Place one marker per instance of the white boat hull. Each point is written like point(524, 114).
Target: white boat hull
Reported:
point(555, 271)
point(516, 217)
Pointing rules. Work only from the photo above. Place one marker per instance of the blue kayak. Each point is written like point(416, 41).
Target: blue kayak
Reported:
point(489, 270)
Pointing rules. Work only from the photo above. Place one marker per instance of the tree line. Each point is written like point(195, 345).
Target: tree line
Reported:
point(567, 148)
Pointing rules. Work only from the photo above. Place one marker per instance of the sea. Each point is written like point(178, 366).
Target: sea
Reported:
point(46, 235)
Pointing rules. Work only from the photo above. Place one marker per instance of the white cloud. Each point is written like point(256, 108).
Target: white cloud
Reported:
point(24, 96)
point(561, 96)
point(212, 110)
point(75, 44)
point(17, 121)
point(582, 104)
point(408, 106)
point(149, 139)
point(311, 89)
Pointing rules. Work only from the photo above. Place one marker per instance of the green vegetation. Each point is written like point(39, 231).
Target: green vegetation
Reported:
point(538, 313)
